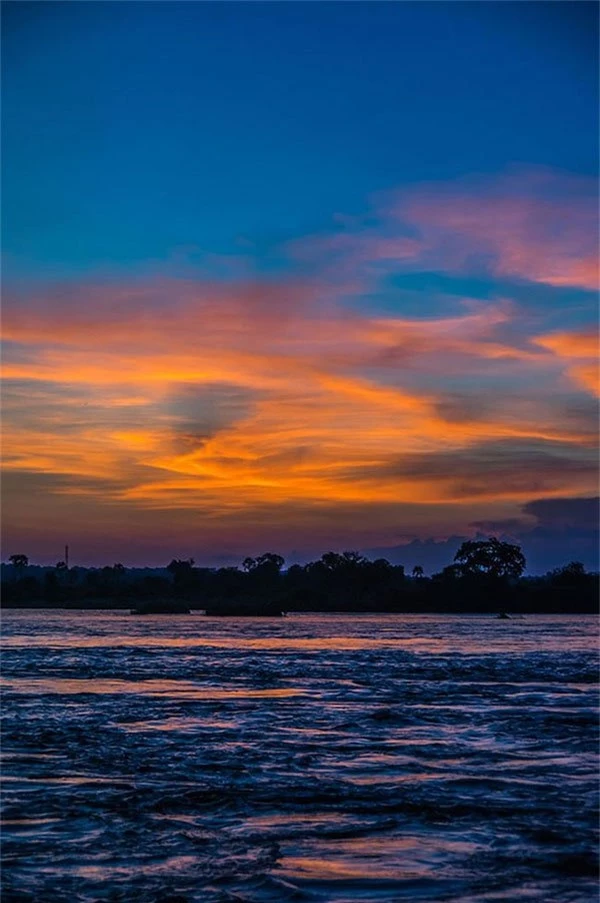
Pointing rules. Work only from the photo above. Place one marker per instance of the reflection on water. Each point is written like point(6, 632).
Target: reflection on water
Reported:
point(327, 758)
point(171, 688)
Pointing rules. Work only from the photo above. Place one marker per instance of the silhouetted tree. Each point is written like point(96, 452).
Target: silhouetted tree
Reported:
point(179, 566)
point(332, 561)
point(572, 574)
point(263, 575)
point(336, 562)
point(183, 574)
point(19, 563)
point(270, 561)
point(355, 558)
point(417, 571)
point(491, 558)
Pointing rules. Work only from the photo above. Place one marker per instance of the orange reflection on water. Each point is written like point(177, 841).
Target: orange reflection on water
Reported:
point(168, 866)
point(276, 643)
point(171, 688)
point(182, 724)
point(27, 822)
point(383, 857)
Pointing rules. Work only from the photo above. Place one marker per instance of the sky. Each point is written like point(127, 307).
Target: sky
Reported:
point(298, 277)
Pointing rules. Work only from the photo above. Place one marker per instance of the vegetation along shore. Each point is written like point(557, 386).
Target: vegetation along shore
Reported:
point(485, 576)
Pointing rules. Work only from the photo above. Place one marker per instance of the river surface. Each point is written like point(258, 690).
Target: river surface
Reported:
point(338, 758)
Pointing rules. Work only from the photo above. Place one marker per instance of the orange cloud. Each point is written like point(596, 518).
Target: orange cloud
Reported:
point(580, 352)
point(314, 412)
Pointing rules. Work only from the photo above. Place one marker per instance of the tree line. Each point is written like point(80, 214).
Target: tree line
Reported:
point(485, 576)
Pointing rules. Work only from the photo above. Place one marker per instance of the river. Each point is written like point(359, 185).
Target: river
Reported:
point(333, 758)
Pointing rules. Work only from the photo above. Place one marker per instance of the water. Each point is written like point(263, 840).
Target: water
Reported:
point(317, 757)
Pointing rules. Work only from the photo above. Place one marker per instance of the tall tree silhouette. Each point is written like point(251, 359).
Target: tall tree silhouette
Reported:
point(490, 557)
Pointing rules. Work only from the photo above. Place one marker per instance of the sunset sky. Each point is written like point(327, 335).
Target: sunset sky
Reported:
point(298, 277)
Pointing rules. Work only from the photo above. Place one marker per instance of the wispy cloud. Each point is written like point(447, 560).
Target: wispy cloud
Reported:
point(530, 224)
point(534, 224)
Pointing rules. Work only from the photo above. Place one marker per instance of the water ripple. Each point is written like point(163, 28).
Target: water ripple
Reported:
point(322, 758)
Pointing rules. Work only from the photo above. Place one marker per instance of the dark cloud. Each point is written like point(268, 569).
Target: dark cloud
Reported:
point(567, 529)
point(18, 353)
point(18, 484)
point(459, 407)
point(559, 513)
point(563, 530)
point(548, 549)
point(59, 408)
point(509, 525)
point(197, 412)
point(23, 389)
point(571, 413)
point(515, 464)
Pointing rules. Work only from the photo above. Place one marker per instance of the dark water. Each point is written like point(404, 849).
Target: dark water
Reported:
point(325, 758)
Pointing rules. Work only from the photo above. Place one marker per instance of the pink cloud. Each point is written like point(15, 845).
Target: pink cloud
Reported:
point(530, 224)
point(534, 225)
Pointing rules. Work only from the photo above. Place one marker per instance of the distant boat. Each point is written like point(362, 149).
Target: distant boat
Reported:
point(503, 617)
point(161, 608)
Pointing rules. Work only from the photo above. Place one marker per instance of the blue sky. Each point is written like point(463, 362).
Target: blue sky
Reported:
point(131, 130)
